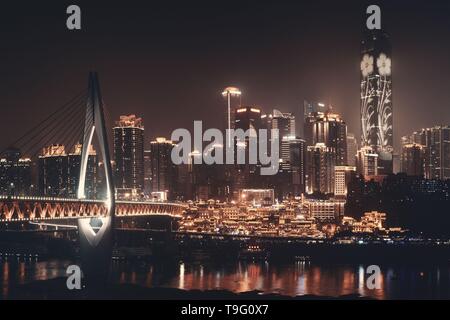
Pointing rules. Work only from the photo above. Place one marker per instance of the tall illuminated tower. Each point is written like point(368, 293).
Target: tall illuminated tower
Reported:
point(129, 156)
point(229, 93)
point(376, 98)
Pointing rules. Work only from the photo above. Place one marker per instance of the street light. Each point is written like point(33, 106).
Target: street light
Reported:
point(228, 93)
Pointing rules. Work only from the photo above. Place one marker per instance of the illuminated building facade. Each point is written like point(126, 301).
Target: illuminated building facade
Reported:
point(129, 156)
point(147, 172)
point(53, 171)
point(15, 173)
point(330, 129)
point(257, 197)
point(163, 171)
point(342, 176)
point(436, 143)
point(367, 163)
point(321, 162)
point(285, 124)
point(73, 173)
point(376, 98)
point(325, 210)
point(352, 149)
point(298, 166)
point(412, 159)
point(245, 118)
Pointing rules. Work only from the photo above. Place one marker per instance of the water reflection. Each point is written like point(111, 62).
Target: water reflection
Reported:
point(299, 278)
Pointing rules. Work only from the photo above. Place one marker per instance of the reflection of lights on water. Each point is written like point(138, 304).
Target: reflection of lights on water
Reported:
point(389, 276)
point(361, 280)
point(181, 276)
point(301, 279)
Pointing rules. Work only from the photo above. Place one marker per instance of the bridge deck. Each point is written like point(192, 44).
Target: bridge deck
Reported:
point(43, 208)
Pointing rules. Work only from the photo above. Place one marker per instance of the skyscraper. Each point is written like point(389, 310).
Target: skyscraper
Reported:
point(376, 98)
point(436, 141)
point(367, 162)
point(53, 171)
point(15, 173)
point(352, 149)
point(412, 159)
point(329, 128)
point(147, 172)
point(321, 163)
point(162, 169)
point(129, 156)
point(245, 118)
point(297, 159)
point(285, 124)
point(73, 173)
point(229, 93)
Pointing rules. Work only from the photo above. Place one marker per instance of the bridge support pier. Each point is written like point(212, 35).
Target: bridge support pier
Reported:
point(96, 242)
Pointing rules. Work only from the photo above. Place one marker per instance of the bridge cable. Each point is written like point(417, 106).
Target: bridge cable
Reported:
point(43, 122)
point(46, 137)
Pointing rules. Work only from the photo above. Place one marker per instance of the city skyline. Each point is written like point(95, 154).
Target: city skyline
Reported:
point(251, 150)
point(293, 74)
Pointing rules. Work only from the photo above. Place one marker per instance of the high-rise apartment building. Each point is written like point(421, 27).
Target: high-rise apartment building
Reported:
point(53, 171)
point(321, 163)
point(330, 129)
point(367, 162)
point(129, 156)
point(163, 171)
point(342, 176)
point(297, 161)
point(436, 144)
point(352, 149)
point(15, 173)
point(73, 173)
point(245, 118)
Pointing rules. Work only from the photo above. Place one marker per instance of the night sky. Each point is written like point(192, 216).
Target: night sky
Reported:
point(169, 61)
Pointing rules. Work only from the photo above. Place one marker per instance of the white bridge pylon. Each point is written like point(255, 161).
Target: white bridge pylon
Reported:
point(95, 123)
point(95, 233)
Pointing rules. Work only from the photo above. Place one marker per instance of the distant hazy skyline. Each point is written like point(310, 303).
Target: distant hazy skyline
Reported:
point(168, 62)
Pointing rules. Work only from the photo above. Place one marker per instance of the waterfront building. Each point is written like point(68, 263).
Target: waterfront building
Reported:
point(163, 171)
point(367, 162)
point(15, 173)
point(436, 145)
point(320, 173)
point(331, 130)
point(257, 197)
point(53, 171)
point(342, 177)
point(129, 157)
point(325, 210)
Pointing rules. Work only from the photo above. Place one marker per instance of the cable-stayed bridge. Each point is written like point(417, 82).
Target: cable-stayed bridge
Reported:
point(70, 130)
point(66, 193)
